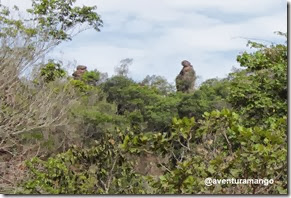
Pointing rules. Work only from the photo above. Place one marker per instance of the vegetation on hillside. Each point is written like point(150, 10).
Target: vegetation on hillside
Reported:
point(97, 135)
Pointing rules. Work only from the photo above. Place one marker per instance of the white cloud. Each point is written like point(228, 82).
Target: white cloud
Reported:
point(158, 35)
point(231, 6)
point(98, 57)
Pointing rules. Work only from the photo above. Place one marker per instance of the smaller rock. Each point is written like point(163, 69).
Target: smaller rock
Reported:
point(81, 69)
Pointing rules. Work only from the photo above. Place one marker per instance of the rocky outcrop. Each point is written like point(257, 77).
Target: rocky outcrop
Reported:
point(185, 81)
point(81, 69)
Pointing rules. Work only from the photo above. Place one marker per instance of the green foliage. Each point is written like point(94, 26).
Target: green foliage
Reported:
point(219, 146)
point(52, 71)
point(91, 77)
point(259, 92)
point(159, 115)
point(181, 129)
point(58, 17)
point(224, 148)
point(101, 169)
point(113, 87)
point(146, 106)
point(88, 82)
point(81, 86)
point(97, 119)
point(211, 95)
point(11, 27)
point(160, 83)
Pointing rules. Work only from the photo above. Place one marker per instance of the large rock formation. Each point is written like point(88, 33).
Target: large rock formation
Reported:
point(185, 81)
point(81, 69)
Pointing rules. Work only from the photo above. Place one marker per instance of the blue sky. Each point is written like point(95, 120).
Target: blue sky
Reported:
point(158, 35)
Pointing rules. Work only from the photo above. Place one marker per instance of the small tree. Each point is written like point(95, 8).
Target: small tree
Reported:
point(52, 71)
point(259, 92)
point(122, 69)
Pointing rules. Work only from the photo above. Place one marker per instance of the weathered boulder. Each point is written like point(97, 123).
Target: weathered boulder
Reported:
point(185, 81)
point(81, 69)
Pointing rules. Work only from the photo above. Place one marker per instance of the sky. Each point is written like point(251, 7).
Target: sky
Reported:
point(158, 35)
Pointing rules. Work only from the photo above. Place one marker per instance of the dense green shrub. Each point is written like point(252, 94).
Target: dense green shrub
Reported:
point(211, 95)
point(100, 169)
point(259, 92)
point(52, 71)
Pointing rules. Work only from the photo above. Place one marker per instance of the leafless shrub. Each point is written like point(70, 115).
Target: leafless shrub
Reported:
point(28, 108)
